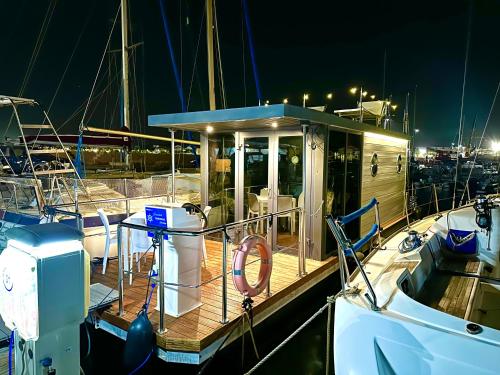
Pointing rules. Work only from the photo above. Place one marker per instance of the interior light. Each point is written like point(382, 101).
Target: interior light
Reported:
point(210, 129)
point(385, 137)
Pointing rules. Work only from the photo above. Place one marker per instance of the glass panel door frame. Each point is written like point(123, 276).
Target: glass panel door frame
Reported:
point(272, 181)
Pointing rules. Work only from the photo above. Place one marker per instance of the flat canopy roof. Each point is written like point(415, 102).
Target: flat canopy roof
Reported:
point(284, 116)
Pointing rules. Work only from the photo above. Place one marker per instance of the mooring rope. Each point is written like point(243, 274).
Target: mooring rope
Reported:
point(330, 301)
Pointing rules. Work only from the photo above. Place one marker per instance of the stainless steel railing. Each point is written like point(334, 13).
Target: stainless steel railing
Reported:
point(158, 233)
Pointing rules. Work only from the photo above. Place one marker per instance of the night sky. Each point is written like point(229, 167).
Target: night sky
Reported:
point(301, 46)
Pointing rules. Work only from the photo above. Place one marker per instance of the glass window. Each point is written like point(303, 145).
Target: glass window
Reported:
point(221, 167)
point(344, 181)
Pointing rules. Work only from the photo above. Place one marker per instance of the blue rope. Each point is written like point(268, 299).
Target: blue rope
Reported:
point(178, 82)
point(141, 365)
point(252, 51)
point(180, 91)
point(150, 296)
point(79, 162)
point(11, 347)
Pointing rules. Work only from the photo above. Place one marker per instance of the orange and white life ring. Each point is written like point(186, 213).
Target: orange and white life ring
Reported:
point(266, 265)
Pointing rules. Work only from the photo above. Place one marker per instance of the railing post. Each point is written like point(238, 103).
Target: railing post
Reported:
point(79, 222)
point(270, 233)
point(377, 218)
point(127, 200)
point(305, 172)
point(172, 160)
point(436, 198)
point(301, 241)
point(406, 209)
point(161, 271)
point(224, 319)
point(120, 269)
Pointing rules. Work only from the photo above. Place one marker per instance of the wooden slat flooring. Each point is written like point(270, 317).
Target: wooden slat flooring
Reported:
point(451, 293)
point(401, 265)
point(199, 328)
point(4, 361)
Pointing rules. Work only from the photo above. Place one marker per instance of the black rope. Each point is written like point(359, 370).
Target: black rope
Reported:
point(248, 307)
point(156, 241)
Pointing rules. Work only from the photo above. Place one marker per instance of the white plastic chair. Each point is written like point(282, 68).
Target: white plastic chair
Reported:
point(285, 202)
point(253, 208)
point(110, 238)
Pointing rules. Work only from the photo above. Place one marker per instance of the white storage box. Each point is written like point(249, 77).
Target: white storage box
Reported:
point(182, 259)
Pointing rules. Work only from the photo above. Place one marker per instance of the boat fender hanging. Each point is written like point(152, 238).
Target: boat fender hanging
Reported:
point(266, 265)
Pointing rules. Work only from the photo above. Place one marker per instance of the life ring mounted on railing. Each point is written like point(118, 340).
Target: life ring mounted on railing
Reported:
point(266, 265)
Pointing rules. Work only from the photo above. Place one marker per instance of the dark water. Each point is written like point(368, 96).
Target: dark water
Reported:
point(304, 354)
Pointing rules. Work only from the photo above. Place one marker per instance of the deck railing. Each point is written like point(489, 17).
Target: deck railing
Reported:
point(158, 233)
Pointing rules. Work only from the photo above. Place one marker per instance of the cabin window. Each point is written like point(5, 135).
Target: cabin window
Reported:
point(374, 165)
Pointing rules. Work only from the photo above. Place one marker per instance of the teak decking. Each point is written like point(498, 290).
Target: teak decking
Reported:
point(452, 293)
point(198, 329)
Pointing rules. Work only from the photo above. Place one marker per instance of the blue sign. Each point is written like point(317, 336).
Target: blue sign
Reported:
point(156, 217)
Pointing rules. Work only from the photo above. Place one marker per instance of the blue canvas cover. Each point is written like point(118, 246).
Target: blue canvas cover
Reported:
point(462, 241)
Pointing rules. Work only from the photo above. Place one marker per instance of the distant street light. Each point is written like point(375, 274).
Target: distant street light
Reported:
point(285, 101)
point(417, 130)
point(304, 99)
point(372, 97)
point(267, 103)
point(362, 94)
point(329, 96)
point(394, 106)
point(495, 147)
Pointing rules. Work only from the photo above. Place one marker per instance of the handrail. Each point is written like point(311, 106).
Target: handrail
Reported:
point(206, 231)
point(346, 247)
point(112, 200)
point(359, 212)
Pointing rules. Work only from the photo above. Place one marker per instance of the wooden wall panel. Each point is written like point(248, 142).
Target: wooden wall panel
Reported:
point(387, 186)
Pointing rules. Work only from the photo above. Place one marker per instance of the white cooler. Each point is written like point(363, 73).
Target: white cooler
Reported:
point(182, 262)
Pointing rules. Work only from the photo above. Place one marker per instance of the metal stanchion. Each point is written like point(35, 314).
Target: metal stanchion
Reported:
point(377, 218)
point(161, 256)
point(120, 269)
point(224, 319)
point(436, 198)
point(270, 232)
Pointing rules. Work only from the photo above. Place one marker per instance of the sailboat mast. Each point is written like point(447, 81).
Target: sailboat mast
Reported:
point(125, 47)
point(210, 50)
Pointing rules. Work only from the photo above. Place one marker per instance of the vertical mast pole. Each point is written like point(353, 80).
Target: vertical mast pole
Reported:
point(210, 50)
point(126, 99)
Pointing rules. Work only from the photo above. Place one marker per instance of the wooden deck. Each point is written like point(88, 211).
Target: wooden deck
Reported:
point(201, 327)
point(4, 361)
point(450, 293)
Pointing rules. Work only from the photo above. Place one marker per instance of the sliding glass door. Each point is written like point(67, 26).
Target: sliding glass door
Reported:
point(269, 180)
